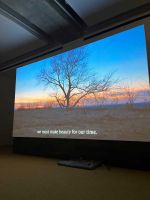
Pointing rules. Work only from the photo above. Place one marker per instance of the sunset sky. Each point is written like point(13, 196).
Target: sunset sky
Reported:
point(124, 52)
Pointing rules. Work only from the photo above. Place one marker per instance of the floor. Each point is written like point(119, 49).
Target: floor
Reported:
point(27, 177)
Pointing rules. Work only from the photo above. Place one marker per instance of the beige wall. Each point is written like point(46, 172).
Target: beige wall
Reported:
point(7, 92)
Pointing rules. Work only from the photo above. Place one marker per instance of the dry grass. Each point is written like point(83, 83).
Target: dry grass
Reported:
point(117, 124)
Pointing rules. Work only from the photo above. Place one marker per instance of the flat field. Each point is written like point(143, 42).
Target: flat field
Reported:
point(89, 123)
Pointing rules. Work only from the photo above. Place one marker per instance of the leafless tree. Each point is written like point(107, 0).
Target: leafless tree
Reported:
point(49, 104)
point(101, 99)
point(21, 107)
point(70, 76)
point(114, 99)
point(146, 94)
point(29, 106)
point(131, 95)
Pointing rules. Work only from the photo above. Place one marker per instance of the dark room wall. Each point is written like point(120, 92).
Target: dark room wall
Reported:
point(131, 154)
point(7, 93)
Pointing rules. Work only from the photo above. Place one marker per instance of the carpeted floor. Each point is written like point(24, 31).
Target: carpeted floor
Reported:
point(29, 177)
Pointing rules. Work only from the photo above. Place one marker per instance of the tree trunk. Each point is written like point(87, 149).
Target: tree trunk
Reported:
point(68, 102)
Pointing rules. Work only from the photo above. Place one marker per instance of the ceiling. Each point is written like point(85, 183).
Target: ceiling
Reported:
point(95, 11)
point(29, 29)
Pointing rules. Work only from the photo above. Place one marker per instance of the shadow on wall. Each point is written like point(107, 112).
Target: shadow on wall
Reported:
point(7, 91)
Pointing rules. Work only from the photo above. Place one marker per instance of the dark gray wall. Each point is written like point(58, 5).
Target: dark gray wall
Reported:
point(7, 84)
point(7, 92)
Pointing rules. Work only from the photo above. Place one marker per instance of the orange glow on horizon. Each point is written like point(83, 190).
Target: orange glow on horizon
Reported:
point(45, 101)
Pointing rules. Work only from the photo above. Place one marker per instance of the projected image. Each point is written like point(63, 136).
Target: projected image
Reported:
point(98, 91)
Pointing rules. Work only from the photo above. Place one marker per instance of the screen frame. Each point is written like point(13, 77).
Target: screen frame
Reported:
point(94, 39)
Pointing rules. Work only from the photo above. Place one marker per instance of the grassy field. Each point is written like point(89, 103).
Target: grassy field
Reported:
point(91, 123)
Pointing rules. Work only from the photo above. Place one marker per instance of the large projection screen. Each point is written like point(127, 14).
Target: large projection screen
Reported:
point(97, 91)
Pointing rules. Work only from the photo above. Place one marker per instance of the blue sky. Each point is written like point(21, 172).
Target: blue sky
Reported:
point(124, 52)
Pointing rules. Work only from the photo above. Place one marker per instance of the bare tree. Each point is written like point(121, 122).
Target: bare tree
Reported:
point(69, 75)
point(101, 98)
point(114, 99)
point(146, 97)
point(131, 95)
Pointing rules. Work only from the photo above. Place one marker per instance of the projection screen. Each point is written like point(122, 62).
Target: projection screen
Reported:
point(97, 91)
